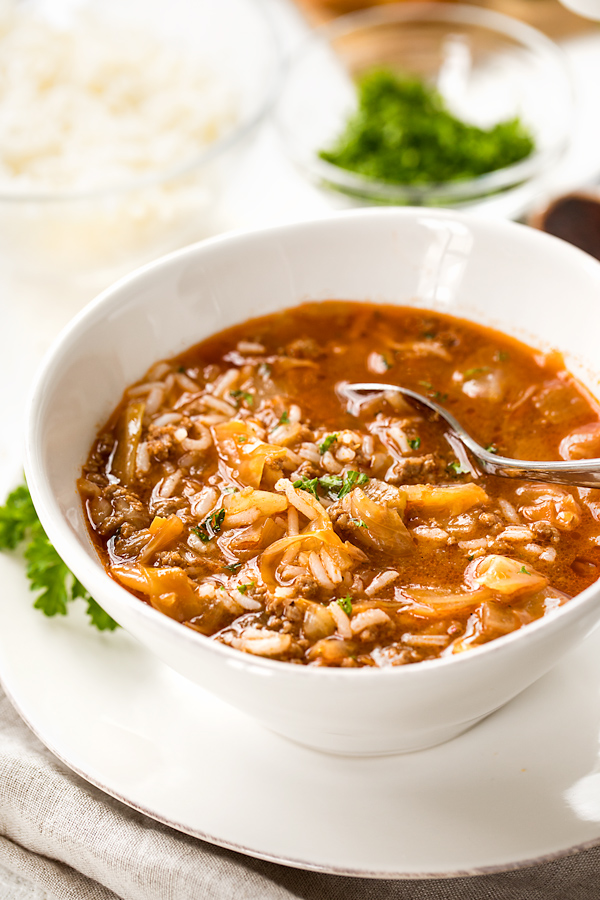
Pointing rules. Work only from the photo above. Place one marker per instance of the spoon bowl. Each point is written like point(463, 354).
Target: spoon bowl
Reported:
point(583, 473)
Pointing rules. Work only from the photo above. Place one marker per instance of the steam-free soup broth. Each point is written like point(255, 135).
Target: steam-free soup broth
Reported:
point(237, 491)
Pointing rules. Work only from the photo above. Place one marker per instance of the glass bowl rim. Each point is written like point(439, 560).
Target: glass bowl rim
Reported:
point(413, 11)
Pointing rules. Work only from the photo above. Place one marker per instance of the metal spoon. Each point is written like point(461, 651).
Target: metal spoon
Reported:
point(583, 473)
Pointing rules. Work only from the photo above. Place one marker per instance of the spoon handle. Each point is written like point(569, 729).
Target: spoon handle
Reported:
point(584, 473)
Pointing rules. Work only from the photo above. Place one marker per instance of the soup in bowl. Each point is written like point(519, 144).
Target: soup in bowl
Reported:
point(331, 563)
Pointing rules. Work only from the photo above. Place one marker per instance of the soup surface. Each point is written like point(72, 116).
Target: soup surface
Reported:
point(237, 490)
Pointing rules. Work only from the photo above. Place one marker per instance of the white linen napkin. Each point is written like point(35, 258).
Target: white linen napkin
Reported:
point(62, 839)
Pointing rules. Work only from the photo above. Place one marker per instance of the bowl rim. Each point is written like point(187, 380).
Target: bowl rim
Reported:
point(233, 135)
point(431, 10)
point(88, 569)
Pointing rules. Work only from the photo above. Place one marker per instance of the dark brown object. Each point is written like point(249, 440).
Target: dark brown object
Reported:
point(574, 218)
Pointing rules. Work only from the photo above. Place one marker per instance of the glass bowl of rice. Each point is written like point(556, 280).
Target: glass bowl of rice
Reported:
point(480, 104)
point(120, 124)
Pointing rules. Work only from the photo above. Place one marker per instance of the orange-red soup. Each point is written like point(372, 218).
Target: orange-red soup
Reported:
point(234, 491)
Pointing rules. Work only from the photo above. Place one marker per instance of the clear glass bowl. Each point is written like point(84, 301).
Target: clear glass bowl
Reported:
point(116, 224)
point(487, 66)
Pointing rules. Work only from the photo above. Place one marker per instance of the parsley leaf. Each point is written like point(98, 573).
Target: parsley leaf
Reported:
point(457, 468)
point(232, 567)
point(327, 442)
point(211, 526)
point(346, 605)
point(431, 391)
point(478, 370)
point(307, 484)
point(352, 479)
point(335, 486)
point(285, 418)
point(332, 484)
point(491, 448)
point(49, 576)
point(415, 443)
point(16, 517)
point(502, 356)
point(242, 395)
point(524, 571)
point(242, 588)
point(359, 523)
point(98, 616)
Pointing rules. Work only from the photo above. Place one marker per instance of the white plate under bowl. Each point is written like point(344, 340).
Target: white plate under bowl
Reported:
point(521, 787)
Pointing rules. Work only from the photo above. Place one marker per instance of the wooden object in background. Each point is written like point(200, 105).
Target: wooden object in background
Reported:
point(548, 16)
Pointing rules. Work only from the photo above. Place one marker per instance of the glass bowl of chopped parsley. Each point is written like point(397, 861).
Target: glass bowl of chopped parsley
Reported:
point(435, 104)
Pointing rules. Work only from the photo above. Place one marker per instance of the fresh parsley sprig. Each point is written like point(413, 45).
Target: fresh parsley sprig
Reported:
point(48, 575)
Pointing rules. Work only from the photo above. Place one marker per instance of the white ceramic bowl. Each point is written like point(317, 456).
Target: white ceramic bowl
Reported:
point(508, 276)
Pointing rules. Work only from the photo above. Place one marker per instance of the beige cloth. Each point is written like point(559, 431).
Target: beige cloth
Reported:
point(62, 839)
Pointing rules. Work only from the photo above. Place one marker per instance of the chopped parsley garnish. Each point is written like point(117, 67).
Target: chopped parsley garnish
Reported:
point(431, 391)
point(359, 523)
point(478, 370)
point(403, 133)
point(346, 605)
point(335, 486)
point(327, 442)
point(524, 571)
point(307, 484)
point(211, 526)
point(352, 479)
point(331, 483)
point(415, 443)
point(242, 588)
point(285, 418)
point(428, 335)
point(264, 370)
point(491, 448)
point(232, 568)
point(242, 395)
point(48, 574)
point(470, 557)
point(181, 369)
point(241, 439)
point(503, 355)
point(458, 468)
